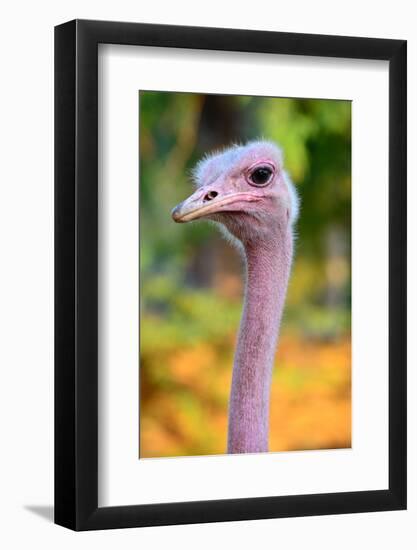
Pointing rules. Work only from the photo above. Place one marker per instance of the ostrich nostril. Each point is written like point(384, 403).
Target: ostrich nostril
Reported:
point(210, 196)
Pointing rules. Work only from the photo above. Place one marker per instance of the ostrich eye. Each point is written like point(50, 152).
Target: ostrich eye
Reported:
point(261, 175)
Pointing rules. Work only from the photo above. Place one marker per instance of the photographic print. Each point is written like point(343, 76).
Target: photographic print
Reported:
point(245, 274)
point(216, 302)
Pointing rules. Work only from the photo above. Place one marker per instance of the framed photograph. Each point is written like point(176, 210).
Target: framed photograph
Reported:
point(230, 255)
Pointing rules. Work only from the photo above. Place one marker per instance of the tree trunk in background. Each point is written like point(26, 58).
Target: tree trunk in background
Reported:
point(337, 267)
point(216, 264)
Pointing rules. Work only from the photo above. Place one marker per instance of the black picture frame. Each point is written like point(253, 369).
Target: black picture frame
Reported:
point(76, 273)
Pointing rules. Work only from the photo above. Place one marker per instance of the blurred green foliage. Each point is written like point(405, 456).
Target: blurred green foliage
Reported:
point(191, 285)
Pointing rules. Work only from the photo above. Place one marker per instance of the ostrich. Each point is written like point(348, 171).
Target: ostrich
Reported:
point(245, 190)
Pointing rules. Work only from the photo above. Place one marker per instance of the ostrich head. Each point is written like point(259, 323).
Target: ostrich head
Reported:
point(245, 189)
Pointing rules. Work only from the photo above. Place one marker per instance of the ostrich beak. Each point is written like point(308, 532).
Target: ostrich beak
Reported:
point(193, 207)
point(204, 202)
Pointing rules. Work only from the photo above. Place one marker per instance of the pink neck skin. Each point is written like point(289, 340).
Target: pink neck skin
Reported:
point(268, 266)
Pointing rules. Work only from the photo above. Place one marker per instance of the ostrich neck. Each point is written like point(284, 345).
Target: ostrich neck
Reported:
point(267, 270)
